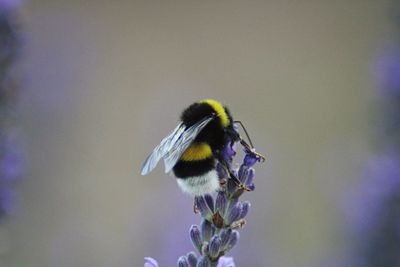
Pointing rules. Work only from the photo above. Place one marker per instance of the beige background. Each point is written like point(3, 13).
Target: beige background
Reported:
point(104, 81)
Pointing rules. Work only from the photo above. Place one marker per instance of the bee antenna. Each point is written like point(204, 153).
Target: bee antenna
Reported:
point(245, 131)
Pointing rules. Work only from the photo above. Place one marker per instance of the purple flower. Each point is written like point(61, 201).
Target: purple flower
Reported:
point(192, 259)
point(387, 71)
point(230, 151)
point(10, 157)
point(374, 206)
point(195, 236)
point(374, 213)
point(204, 262)
point(222, 215)
point(203, 205)
point(226, 262)
point(225, 236)
point(10, 4)
point(207, 230)
point(10, 154)
point(7, 200)
point(220, 202)
point(234, 212)
point(225, 212)
point(245, 209)
point(183, 262)
point(250, 159)
point(246, 174)
point(382, 179)
point(234, 238)
point(150, 262)
point(214, 247)
point(10, 170)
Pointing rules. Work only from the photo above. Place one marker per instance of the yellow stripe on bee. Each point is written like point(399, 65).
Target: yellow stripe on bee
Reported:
point(219, 109)
point(197, 151)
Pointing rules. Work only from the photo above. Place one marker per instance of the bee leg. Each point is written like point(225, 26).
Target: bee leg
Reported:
point(238, 224)
point(251, 150)
point(238, 183)
point(195, 208)
point(232, 176)
point(222, 182)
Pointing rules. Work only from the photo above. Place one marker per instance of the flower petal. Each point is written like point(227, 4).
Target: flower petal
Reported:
point(203, 207)
point(204, 262)
point(226, 262)
point(245, 209)
point(196, 237)
point(207, 230)
point(220, 202)
point(214, 247)
point(210, 202)
point(192, 259)
point(234, 213)
point(234, 238)
point(250, 159)
point(183, 262)
point(150, 262)
point(225, 235)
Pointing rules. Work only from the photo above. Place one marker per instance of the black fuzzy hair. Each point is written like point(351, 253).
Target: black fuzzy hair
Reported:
point(186, 169)
point(214, 134)
point(195, 112)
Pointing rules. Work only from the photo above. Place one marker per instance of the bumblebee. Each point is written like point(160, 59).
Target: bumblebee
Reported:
point(195, 146)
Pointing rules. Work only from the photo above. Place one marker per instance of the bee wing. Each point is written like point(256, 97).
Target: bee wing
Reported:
point(183, 142)
point(162, 149)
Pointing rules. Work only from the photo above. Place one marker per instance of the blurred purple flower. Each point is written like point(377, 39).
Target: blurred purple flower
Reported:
point(10, 170)
point(374, 208)
point(387, 71)
point(375, 214)
point(382, 179)
point(9, 4)
point(7, 200)
point(11, 158)
point(10, 154)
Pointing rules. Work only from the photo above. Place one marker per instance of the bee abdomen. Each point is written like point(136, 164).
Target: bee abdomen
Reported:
point(197, 177)
point(195, 170)
point(200, 185)
point(185, 169)
point(197, 151)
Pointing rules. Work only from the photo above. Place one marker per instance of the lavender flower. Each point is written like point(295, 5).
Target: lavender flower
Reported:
point(150, 262)
point(375, 214)
point(183, 262)
point(195, 236)
point(387, 71)
point(375, 207)
point(10, 154)
point(192, 259)
point(207, 230)
point(226, 262)
point(222, 216)
point(9, 5)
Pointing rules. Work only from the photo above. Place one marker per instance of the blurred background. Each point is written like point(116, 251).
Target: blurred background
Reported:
point(100, 83)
